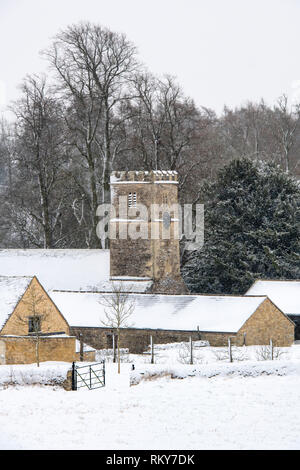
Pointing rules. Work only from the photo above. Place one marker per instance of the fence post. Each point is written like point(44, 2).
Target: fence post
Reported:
point(152, 350)
point(81, 347)
point(114, 347)
point(198, 331)
point(74, 384)
point(191, 350)
point(229, 350)
point(103, 372)
point(271, 349)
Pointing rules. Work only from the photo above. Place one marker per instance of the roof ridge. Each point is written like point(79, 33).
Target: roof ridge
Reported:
point(159, 294)
point(16, 277)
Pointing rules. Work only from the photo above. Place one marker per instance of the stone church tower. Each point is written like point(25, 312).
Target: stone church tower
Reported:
point(144, 240)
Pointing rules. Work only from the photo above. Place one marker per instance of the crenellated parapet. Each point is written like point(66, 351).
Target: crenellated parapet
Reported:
point(154, 176)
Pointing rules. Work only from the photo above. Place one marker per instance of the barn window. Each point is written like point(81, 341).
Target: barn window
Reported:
point(34, 324)
point(132, 200)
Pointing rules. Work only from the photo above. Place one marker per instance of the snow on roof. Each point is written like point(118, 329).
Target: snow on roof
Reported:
point(169, 312)
point(284, 294)
point(86, 347)
point(58, 269)
point(11, 290)
point(137, 286)
point(64, 269)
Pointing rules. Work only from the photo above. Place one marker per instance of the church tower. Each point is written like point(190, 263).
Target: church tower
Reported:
point(144, 229)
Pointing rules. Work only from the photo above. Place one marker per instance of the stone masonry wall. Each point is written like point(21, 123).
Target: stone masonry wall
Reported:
point(218, 339)
point(268, 322)
point(158, 256)
point(21, 350)
point(130, 257)
point(136, 340)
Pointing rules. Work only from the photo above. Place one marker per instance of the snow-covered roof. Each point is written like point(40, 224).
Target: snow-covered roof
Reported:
point(86, 347)
point(65, 269)
point(169, 312)
point(58, 269)
point(284, 294)
point(11, 291)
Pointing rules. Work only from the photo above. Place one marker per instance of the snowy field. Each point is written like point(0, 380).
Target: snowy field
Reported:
point(249, 404)
point(194, 413)
point(179, 354)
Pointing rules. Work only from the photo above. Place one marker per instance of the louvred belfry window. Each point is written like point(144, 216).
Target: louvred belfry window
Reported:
point(132, 200)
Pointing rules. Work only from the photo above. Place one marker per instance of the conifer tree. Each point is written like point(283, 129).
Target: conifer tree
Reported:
point(252, 229)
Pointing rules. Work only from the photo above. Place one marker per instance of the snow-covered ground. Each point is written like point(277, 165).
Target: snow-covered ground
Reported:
point(28, 374)
point(179, 354)
point(248, 404)
point(194, 413)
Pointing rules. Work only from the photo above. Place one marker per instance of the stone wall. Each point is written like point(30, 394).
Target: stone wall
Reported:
point(136, 340)
point(216, 339)
point(88, 356)
point(22, 349)
point(266, 323)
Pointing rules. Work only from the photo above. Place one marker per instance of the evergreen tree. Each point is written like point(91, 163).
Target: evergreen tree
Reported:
point(252, 229)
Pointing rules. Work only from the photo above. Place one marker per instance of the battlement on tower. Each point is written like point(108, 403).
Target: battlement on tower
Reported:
point(154, 176)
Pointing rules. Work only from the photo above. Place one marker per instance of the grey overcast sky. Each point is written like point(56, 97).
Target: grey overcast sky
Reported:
point(223, 52)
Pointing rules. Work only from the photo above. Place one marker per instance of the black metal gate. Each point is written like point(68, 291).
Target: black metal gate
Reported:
point(91, 376)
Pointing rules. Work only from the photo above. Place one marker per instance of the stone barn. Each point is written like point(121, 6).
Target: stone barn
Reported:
point(285, 294)
point(28, 315)
point(169, 318)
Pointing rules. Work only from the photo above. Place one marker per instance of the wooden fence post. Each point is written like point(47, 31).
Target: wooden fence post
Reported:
point(191, 351)
point(229, 350)
point(81, 347)
point(271, 349)
point(114, 347)
point(152, 350)
point(74, 384)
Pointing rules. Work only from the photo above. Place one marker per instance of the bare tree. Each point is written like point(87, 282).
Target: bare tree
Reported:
point(286, 123)
point(260, 132)
point(7, 155)
point(165, 130)
point(267, 352)
point(40, 156)
point(118, 308)
point(94, 65)
point(7, 164)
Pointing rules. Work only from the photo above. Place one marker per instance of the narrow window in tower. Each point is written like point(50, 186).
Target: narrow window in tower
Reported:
point(132, 200)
